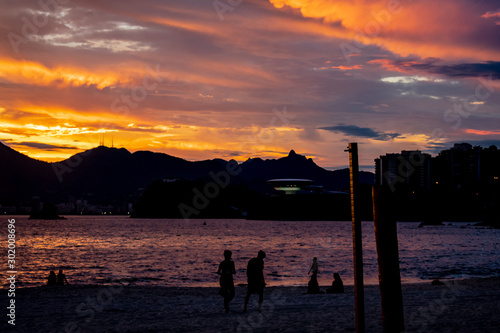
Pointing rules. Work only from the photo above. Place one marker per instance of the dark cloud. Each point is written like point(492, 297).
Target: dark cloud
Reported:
point(464, 70)
point(363, 132)
point(455, 70)
point(43, 146)
point(484, 143)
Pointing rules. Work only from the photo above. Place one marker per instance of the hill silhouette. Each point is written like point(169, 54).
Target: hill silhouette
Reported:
point(257, 171)
point(105, 174)
point(22, 177)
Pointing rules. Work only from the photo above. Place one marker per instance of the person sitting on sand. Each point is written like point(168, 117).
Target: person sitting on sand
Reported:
point(61, 278)
point(255, 277)
point(52, 279)
point(313, 286)
point(226, 271)
point(337, 285)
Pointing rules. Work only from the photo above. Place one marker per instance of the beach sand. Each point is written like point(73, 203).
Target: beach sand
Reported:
point(471, 305)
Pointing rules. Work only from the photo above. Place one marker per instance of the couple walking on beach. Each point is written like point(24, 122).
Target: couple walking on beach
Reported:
point(255, 278)
point(56, 280)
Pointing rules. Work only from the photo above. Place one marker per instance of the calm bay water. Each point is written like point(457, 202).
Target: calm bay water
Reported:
point(104, 250)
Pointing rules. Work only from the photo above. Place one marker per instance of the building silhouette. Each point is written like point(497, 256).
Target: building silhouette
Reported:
point(409, 170)
point(460, 184)
point(459, 168)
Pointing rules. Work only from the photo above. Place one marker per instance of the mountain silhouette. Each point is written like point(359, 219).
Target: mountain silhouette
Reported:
point(105, 174)
point(22, 177)
point(257, 171)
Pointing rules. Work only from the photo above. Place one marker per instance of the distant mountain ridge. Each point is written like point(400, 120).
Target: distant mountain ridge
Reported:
point(105, 174)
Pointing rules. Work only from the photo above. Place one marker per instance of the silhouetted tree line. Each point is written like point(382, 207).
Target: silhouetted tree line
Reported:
point(188, 199)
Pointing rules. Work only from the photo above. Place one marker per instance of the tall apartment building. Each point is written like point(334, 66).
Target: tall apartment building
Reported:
point(410, 169)
point(459, 167)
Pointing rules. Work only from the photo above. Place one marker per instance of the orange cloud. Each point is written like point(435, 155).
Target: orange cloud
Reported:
point(424, 28)
point(388, 64)
point(347, 68)
point(481, 132)
point(29, 72)
point(491, 15)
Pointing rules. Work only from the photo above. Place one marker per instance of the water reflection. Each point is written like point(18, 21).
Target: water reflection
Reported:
point(97, 250)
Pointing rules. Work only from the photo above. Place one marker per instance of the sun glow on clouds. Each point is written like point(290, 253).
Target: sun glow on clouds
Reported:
point(391, 66)
point(65, 130)
point(343, 68)
point(494, 15)
point(28, 72)
point(408, 141)
point(425, 28)
point(49, 142)
point(221, 79)
point(481, 132)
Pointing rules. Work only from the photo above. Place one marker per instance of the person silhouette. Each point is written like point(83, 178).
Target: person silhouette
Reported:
point(313, 286)
point(314, 268)
point(226, 271)
point(255, 278)
point(337, 285)
point(61, 278)
point(52, 279)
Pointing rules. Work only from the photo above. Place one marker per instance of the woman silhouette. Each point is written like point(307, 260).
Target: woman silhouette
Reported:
point(337, 285)
point(313, 286)
point(52, 279)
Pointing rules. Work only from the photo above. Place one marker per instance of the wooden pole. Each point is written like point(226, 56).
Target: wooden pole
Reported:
point(359, 291)
point(386, 238)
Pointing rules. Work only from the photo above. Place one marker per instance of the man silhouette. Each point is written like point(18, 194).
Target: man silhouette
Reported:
point(226, 271)
point(61, 278)
point(255, 278)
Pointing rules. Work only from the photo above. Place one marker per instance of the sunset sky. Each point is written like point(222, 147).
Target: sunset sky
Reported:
point(235, 79)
